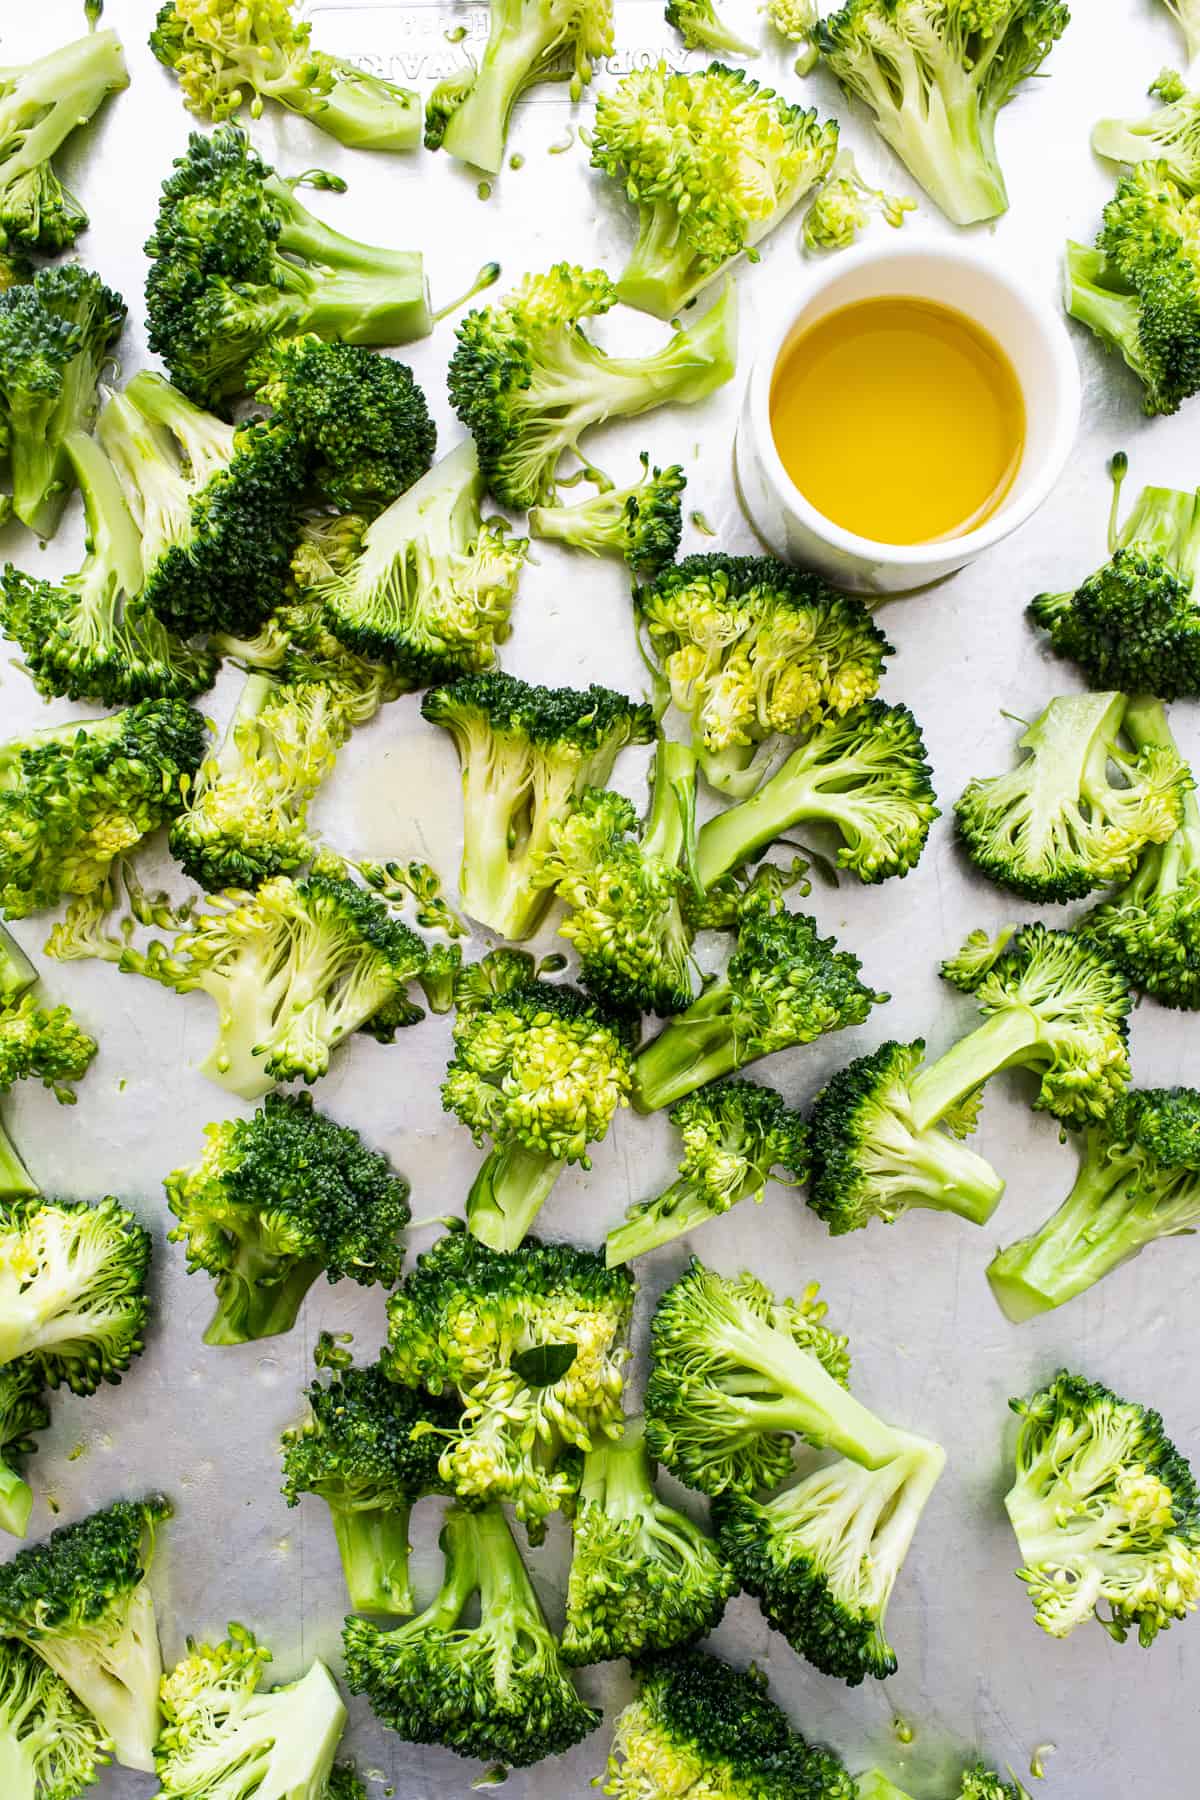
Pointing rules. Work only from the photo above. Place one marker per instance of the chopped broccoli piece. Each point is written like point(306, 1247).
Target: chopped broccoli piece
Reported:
point(236, 261)
point(734, 1134)
point(81, 1600)
point(56, 334)
point(643, 1576)
point(529, 41)
point(796, 20)
point(642, 523)
point(23, 1411)
point(431, 591)
point(275, 1201)
point(50, 1747)
point(935, 74)
point(345, 1783)
point(823, 1557)
point(36, 1044)
point(73, 1281)
point(1170, 136)
point(41, 104)
point(843, 204)
point(699, 1727)
point(1187, 14)
point(871, 1161)
point(753, 649)
point(701, 27)
point(527, 382)
point(224, 1738)
point(1059, 825)
point(74, 796)
point(735, 1372)
point(976, 1783)
point(498, 1690)
point(227, 53)
point(532, 1343)
point(784, 985)
point(527, 755)
point(1105, 1512)
point(712, 161)
point(90, 636)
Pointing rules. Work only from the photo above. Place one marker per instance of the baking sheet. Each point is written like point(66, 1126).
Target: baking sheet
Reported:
point(931, 1350)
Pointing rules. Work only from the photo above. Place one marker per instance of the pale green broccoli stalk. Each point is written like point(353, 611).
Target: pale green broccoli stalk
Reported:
point(41, 104)
point(701, 27)
point(843, 205)
point(51, 1748)
point(23, 1411)
point(642, 523)
point(1169, 137)
point(796, 20)
point(1187, 14)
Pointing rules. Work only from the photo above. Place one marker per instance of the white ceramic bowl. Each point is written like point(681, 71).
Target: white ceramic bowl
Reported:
point(1026, 327)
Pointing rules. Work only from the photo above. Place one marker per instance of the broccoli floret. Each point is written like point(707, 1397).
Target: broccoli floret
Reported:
point(796, 20)
point(50, 1747)
point(23, 1411)
point(1105, 1511)
point(527, 382)
point(1138, 1181)
point(701, 27)
point(529, 41)
point(1060, 825)
point(527, 755)
point(643, 1576)
point(227, 53)
point(293, 970)
point(36, 1044)
point(56, 334)
point(81, 1600)
point(431, 591)
point(225, 1738)
point(866, 775)
point(1139, 289)
point(712, 161)
point(1187, 13)
point(532, 1343)
point(215, 506)
point(642, 523)
point(539, 1070)
point(734, 1135)
point(735, 1372)
point(73, 1289)
point(822, 1558)
point(41, 103)
point(1170, 136)
point(701, 1728)
point(753, 649)
point(277, 1200)
point(784, 985)
point(843, 206)
point(498, 1690)
point(871, 1161)
point(74, 796)
point(370, 1450)
point(934, 74)
point(236, 261)
point(90, 636)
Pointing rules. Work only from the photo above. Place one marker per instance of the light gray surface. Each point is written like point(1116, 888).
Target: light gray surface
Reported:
point(931, 1350)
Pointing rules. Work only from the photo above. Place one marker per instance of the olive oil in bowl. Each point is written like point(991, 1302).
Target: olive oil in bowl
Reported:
point(899, 419)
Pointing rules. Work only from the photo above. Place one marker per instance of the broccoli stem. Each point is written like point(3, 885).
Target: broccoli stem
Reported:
point(698, 1046)
point(17, 973)
point(207, 442)
point(112, 538)
point(680, 1208)
point(16, 1183)
point(362, 111)
point(374, 1548)
point(662, 273)
point(1111, 312)
point(1163, 868)
point(1007, 1038)
point(477, 131)
point(252, 1301)
point(796, 792)
point(356, 292)
point(509, 1191)
point(948, 143)
point(942, 1175)
point(1164, 520)
point(670, 829)
point(115, 1672)
point(506, 1596)
point(16, 1505)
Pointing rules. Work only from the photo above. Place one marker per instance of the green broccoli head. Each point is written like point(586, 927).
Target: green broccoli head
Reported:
point(497, 1690)
point(23, 1412)
point(81, 1600)
point(41, 104)
point(712, 161)
point(36, 1044)
point(642, 523)
point(51, 1748)
point(1105, 1513)
point(516, 360)
point(843, 204)
point(532, 1343)
point(752, 649)
point(278, 1199)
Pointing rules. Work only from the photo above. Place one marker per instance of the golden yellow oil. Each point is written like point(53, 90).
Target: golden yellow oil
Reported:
point(899, 419)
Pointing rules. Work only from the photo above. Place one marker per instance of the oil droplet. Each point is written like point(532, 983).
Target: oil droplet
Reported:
point(268, 1370)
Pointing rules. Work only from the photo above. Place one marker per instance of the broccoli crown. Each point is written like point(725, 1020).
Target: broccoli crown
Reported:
point(752, 647)
point(223, 1735)
point(1151, 927)
point(73, 797)
point(700, 1727)
point(42, 1044)
point(822, 1558)
point(358, 1448)
point(23, 1412)
point(531, 1341)
point(643, 1576)
point(1059, 825)
point(935, 75)
point(527, 382)
point(1106, 1513)
point(642, 523)
point(52, 1749)
point(41, 103)
point(277, 1198)
point(711, 160)
point(361, 418)
point(227, 53)
point(1170, 136)
point(73, 1289)
point(237, 261)
point(495, 1690)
